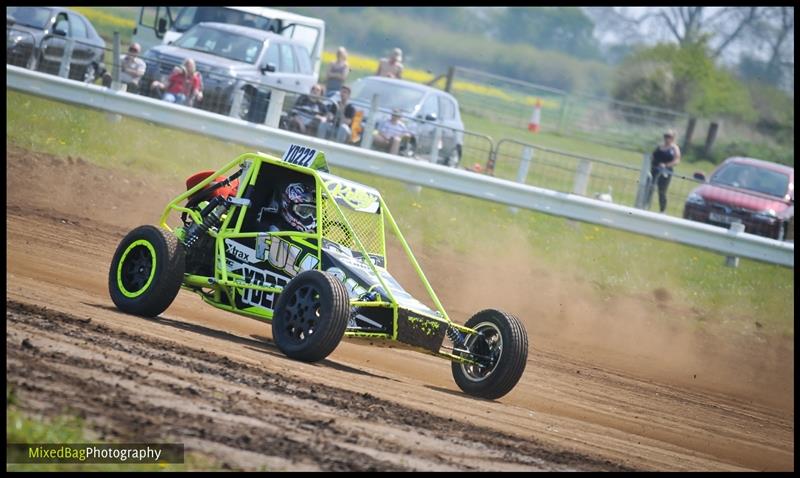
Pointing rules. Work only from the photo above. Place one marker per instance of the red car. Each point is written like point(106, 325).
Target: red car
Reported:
point(756, 193)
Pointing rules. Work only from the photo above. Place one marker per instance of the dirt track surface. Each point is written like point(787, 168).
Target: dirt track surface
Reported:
point(595, 395)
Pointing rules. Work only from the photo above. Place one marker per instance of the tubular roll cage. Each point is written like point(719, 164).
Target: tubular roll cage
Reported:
point(223, 283)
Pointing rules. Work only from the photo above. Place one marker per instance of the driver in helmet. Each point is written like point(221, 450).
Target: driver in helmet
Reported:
point(296, 208)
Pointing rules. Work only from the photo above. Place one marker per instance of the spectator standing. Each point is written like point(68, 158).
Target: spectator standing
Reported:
point(340, 116)
point(131, 70)
point(184, 86)
point(337, 72)
point(392, 68)
point(309, 112)
point(392, 133)
point(664, 158)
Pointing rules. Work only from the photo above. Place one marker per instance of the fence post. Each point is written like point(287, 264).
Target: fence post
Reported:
point(448, 85)
point(437, 138)
point(641, 192)
point(236, 106)
point(687, 137)
point(713, 129)
point(63, 70)
point(582, 177)
point(522, 172)
point(275, 108)
point(736, 228)
point(116, 67)
point(563, 114)
point(373, 111)
point(492, 159)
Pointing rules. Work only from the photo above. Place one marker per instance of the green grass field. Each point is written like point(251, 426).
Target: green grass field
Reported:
point(616, 262)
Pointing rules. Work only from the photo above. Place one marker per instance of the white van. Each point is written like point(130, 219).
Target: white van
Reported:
point(163, 25)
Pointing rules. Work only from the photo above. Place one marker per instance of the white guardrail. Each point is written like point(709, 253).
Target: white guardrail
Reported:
point(724, 241)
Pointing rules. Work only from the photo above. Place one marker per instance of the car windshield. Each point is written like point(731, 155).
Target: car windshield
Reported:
point(752, 178)
point(190, 16)
point(36, 17)
point(221, 43)
point(390, 96)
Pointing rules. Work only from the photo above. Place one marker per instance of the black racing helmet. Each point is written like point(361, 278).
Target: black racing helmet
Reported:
point(298, 207)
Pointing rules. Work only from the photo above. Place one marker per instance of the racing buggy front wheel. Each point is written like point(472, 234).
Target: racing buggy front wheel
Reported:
point(147, 271)
point(500, 352)
point(311, 316)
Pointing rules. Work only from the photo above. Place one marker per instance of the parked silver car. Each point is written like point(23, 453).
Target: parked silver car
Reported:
point(36, 38)
point(425, 109)
point(232, 58)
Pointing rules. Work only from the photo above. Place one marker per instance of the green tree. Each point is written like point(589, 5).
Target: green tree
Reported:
point(684, 78)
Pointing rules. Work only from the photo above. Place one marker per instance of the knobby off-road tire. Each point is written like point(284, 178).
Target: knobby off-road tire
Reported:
point(311, 316)
point(505, 335)
point(147, 271)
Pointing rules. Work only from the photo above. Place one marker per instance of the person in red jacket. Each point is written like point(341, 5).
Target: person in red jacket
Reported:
point(184, 86)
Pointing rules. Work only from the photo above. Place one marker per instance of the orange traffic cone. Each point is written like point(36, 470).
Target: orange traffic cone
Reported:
point(536, 117)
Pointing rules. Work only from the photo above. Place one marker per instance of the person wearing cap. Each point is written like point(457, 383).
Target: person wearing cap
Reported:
point(131, 69)
point(664, 158)
point(392, 133)
point(392, 67)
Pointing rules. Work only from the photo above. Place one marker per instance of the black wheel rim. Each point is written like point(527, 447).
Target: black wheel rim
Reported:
point(136, 269)
point(487, 347)
point(302, 314)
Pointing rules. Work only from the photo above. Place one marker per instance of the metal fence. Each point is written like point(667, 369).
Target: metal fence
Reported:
point(743, 195)
point(602, 120)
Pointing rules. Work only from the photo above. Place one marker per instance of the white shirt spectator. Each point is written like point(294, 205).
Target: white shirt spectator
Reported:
point(132, 68)
point(390, 129)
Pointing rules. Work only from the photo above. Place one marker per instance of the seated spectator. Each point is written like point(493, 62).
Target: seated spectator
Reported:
point(308, 112)
point(391, 68)
point(340, 118)
point(391, 134)
point(131, 69)
point(184, 86)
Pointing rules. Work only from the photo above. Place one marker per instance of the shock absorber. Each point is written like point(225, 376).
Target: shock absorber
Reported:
point(456, 336)
point(212, 217)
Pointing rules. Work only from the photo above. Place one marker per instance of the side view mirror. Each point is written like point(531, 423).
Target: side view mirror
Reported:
point(269, 67)
point(59, 32)
point(699, 176)
point(162, 25)
point(431, 117)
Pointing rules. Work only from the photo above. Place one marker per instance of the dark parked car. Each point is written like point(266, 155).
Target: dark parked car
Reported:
point(427, 107)
point(233, 57)
point(37, 36)
point(756, 193)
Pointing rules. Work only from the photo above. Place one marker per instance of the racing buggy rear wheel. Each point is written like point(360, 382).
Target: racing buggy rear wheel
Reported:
point(146, 271)
point(500, 349)
point(311, 316)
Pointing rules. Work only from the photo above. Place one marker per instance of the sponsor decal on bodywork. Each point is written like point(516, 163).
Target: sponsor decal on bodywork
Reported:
point(361, 277)
point(260, 277)
point(352, 194)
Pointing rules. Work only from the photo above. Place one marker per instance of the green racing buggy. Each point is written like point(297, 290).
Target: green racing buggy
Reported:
point(285, 241)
